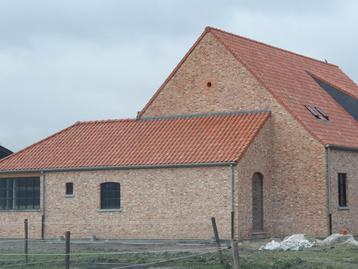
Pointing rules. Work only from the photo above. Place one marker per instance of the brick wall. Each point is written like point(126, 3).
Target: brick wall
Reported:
point(156, 203)
point(344, 162)
point(298, 161)
point(257, 159)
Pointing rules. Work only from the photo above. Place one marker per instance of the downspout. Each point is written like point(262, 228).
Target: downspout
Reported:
point(43, 176)
point(329, 188)
point(232, 170)
point(43, 218)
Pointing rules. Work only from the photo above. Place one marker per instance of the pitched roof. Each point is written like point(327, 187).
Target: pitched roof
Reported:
point(195, 139)
point(290, 79)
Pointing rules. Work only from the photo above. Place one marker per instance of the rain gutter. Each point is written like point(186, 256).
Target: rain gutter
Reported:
point(124, 167)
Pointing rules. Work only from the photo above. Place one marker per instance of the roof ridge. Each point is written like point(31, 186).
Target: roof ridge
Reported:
point(38, 142)
point(104, 121)
point(203, 115)
point(209, 28)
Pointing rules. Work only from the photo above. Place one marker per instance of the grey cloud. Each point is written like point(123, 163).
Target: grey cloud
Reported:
point(64, 61)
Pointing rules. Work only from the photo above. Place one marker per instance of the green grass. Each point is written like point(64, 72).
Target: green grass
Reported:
point(315, 258)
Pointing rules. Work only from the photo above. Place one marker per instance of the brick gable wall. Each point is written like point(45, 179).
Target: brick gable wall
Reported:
point(299, 195)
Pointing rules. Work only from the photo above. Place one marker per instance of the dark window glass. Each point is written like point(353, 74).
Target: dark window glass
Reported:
point(69, 188)
point(19, 194)
point(342, 189)
point(110, 195)
point(349, 103)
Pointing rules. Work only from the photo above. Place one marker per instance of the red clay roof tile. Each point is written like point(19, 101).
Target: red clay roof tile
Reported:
point(217, 138)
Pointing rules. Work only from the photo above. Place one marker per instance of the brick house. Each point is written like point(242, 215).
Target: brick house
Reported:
point(238, 126)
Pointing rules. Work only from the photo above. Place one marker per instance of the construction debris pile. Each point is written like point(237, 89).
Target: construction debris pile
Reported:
point(293, 242)
point(338, 239)
point(300, 242)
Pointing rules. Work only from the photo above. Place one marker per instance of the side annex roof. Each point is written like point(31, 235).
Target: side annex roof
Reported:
point(219, 138)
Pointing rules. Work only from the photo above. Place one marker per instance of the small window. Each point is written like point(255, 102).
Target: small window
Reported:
point(110, 195)
point(342, 190)
point(69, 188)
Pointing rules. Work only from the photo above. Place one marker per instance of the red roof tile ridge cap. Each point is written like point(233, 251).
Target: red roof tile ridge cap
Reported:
point(38, 142)
point(268, 45)
point(207, 115)
point(105, 121)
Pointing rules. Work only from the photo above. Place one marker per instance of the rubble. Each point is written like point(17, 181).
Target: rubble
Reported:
point(338, 239)
point(293, 242)
point(300, 242)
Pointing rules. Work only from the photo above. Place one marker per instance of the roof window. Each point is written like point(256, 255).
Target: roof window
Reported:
point(317, 112)
point(313, 111)
point(322, 112)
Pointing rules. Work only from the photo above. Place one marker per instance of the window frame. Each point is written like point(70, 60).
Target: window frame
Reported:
point(20, 194)
point(342, 190)
point(66, 189)
point(107, 196)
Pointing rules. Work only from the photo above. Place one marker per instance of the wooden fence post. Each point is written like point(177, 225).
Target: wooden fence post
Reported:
point(67, 249)
point(26, 240)
point(42, 227)
point(217, 239)
point(235, 254)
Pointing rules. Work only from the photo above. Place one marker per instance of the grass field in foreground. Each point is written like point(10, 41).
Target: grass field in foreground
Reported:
point(315, 258)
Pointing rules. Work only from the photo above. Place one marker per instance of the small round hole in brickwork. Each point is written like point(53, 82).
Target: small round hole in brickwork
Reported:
point(208, 84)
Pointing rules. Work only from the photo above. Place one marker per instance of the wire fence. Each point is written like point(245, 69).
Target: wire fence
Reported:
point(35, 253)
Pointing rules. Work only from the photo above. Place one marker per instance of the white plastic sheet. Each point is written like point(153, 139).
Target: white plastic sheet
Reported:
point(293, 242)
point(338, 239)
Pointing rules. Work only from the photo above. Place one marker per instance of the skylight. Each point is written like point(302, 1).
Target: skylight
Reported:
point(322, 112)
point(313, 111)
point(317, 112)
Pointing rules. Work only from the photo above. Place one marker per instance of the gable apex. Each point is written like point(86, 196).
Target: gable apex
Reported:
point(287, 77)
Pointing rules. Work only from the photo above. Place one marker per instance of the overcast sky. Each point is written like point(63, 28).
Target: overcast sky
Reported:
point(63, 61)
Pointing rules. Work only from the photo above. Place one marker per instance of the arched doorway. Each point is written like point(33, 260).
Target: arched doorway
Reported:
point(257, 203)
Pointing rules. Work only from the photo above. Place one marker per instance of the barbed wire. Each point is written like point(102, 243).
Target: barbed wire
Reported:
point(26, 264)
point(163, 261)
point(47, 261)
